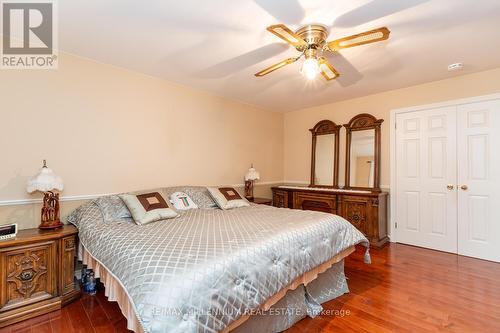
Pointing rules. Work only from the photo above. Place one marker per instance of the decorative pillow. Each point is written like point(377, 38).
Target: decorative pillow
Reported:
point(88, 212)
point(148, 207)
point(182, 201)
point(200, 196)
point(227, 197)
point(113, 209)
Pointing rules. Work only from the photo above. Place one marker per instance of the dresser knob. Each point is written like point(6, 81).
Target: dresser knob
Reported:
point(26, 275)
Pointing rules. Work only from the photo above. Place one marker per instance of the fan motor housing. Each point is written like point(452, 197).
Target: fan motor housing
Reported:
point(314, 35)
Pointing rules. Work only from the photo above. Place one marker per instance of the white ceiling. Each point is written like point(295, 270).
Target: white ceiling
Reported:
point(218, 45)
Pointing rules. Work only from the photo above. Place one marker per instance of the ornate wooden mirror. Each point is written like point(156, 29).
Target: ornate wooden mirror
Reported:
point(362, 163)
point(325, 154)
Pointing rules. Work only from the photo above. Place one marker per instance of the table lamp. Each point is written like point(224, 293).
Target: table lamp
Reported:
point(251, 176)
point(46, 182)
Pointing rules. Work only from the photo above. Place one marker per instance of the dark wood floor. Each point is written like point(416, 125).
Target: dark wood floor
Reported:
point(405, 289)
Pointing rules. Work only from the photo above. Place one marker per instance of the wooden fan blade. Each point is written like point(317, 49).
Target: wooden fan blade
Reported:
point(283, 32)
point(276, 66)
point(327, 70)
point(366, 37)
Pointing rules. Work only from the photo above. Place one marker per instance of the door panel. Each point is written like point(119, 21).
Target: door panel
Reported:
point(426, 210)
point(479, 171)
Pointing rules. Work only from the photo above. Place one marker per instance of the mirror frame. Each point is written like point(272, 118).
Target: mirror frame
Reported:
point(324, 127)
point(361, 122)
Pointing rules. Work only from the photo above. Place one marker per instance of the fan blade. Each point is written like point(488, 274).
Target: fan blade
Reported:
point(327, 70)
point(276, 66)
point(366, 37)
point(283, 32)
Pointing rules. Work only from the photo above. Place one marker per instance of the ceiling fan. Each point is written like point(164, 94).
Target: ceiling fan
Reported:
point(311, 41)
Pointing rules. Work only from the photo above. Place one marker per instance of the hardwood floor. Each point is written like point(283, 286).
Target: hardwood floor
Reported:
point(405, 289)
point(88, 314)
point(410, 289)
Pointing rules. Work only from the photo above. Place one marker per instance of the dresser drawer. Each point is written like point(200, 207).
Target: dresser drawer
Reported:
point(27, 274)
point(317, 202)
point(357, 211)
point(280, 199)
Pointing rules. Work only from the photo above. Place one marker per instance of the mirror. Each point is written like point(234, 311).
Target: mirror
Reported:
point(362, 162)
point(363, 153)
point(325, 145)
point(325, 154)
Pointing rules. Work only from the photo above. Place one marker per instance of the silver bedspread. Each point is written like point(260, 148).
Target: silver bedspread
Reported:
point(202, 270)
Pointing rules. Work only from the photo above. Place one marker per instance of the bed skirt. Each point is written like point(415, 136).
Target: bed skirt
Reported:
point(116, 292)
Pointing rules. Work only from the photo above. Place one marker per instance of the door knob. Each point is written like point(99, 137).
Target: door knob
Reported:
point(450, 187)
point(464, 187)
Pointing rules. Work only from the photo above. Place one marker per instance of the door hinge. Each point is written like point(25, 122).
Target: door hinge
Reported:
point(395, 225)
point(395, 125)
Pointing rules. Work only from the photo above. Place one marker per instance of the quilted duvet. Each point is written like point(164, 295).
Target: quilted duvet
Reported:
point(201, 271)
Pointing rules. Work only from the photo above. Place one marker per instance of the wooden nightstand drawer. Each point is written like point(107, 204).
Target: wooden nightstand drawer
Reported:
point(262, 201)
point(36, 273)
point(68, 253)
point(28, 274)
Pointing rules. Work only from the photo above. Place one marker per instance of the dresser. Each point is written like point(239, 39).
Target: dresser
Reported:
point(366, 210)
point(37, 273)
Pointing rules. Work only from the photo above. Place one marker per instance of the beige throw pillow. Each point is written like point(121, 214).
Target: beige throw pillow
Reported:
point(227, 197)
point(148, 207)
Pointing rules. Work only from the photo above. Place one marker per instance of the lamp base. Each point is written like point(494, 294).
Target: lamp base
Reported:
point(50, 224)
point(50, 211)
point(249, 190)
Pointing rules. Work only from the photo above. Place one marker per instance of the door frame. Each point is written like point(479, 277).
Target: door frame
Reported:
point(392, 151)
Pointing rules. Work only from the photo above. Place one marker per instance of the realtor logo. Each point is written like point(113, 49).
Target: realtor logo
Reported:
point(29, 35)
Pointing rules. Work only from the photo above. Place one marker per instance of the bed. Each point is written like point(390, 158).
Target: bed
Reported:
point(212, 270)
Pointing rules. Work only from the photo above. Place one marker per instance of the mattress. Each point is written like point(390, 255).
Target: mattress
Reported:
point(207, 268)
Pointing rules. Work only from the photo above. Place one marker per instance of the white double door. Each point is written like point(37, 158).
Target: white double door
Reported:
point(448, 179)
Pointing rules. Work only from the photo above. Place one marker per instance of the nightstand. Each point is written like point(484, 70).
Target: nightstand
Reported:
point(37, 271)
point(262, 201)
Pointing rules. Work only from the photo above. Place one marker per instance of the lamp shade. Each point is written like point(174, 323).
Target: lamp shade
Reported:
point(252, 174)
point(45, 180)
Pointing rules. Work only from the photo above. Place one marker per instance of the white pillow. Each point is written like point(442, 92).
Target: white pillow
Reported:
point(227, 197)
point(182, 201)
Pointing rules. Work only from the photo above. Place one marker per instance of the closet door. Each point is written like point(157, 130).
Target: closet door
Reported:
point(426, 196)
point(479, 180)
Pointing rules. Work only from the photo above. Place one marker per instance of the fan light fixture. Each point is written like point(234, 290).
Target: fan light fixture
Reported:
point(310, 68)
point(310, 41)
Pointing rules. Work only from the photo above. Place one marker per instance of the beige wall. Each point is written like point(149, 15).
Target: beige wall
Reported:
point(297, 137)
point(28, 215)
point(104, 129)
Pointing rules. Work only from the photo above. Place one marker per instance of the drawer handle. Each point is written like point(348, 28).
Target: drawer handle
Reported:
point(26, 275)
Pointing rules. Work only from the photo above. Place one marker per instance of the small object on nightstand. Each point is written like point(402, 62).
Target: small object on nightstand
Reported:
point(8, 231)
point(251, 176)
point(262, 201)
point(46, 182)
